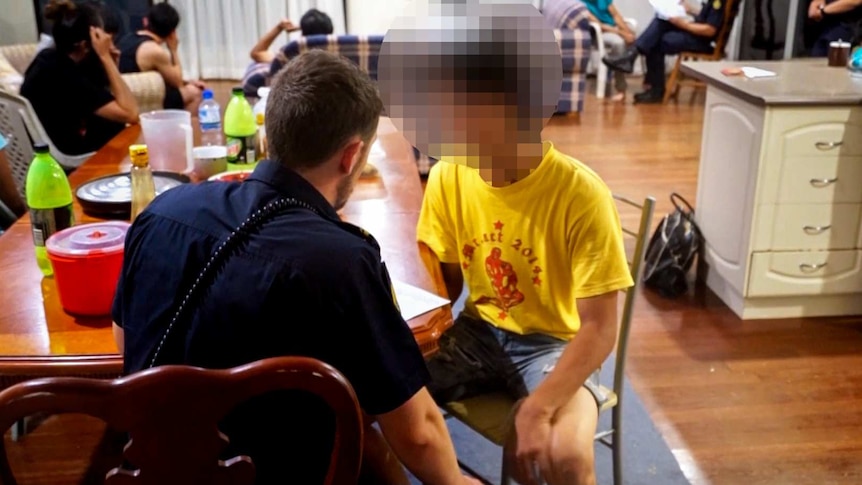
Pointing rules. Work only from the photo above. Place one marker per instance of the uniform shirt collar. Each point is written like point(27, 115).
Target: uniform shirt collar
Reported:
point(291, 184)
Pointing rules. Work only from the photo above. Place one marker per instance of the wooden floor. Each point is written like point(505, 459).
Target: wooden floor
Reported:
point(739, 403)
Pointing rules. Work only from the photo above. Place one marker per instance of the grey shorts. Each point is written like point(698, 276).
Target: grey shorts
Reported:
point(476, 357)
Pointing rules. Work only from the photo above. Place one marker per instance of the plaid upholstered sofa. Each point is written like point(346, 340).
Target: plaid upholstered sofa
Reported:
point(364, 50)
point(571, 23)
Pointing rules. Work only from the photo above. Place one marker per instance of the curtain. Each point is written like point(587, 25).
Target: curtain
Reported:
point(217, 35)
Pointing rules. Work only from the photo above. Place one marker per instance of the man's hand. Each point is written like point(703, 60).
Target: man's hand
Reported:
point(814, 12)
point(679, 22)
point(628, 36)
point(533, 437)
point(198, 84)
point(173, 41)
point(101, 42)
point(287, 26)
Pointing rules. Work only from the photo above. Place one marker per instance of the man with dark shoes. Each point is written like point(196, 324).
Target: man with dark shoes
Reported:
point(668, 37)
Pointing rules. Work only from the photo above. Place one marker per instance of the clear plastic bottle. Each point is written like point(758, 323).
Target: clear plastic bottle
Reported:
point(209, 115)
point(143, 187)
point(260, 141)
point(50, 199)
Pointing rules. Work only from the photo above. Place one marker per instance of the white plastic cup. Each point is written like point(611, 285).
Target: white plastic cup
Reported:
point(168, 135)
point(209, 160)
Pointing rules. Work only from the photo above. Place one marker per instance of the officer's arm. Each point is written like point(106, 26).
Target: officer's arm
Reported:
point(694, 28)
point(841, 6)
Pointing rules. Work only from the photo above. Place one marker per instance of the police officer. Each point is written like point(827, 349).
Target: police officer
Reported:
point(667, 37)
point(835, 20)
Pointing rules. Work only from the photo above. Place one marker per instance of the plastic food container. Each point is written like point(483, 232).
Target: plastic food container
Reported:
point(87, 261)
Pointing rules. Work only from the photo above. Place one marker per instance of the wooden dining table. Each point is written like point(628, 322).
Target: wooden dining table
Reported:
point(38, 338)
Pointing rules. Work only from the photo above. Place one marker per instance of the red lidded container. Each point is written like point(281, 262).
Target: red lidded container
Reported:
point(87, 261)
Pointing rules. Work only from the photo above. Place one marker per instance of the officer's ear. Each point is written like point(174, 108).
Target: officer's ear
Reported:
point(351, 154)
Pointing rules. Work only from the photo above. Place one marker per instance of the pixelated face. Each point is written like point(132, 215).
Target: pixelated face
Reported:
point(466, 81)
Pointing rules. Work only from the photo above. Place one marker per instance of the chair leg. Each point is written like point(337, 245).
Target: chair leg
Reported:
point(672, 86)
point(617, 423)
point(601, 80)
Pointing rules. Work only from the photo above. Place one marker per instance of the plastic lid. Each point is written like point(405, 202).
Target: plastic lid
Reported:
point(94, 239)
point(237, 90)
point(259, 118)
point(41, 148)
point(208, 94)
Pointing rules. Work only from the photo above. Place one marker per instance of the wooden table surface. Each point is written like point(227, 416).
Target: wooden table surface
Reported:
point(38, 338)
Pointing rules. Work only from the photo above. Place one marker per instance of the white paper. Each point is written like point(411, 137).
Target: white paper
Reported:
point(666, 9)
point(415, 301)
point(753, 72)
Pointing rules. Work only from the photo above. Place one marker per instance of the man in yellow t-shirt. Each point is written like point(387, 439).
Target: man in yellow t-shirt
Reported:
point(533, 233)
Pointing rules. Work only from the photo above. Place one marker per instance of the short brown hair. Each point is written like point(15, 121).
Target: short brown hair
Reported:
point(317, 102)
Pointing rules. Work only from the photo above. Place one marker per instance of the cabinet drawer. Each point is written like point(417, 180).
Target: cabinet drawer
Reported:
point(820, 180)
point(815, 226)
point(805, 273)
point(823, 139)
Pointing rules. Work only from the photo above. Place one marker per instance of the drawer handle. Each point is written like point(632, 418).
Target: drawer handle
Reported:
point(815, 230)
point(828, 145)
point(810, 268)
point(820, 183)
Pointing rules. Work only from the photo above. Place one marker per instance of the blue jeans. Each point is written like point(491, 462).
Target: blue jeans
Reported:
point(476, 357)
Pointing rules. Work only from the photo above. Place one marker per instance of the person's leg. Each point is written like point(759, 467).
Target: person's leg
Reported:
point(192, 96)
point(616, 46)
point(672, 42)
point(831, 33)
point(571, 442)
point(645, 45)
point(467, 362)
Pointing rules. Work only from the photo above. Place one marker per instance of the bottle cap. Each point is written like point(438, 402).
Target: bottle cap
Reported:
point(259, 118)
point(208, 94)
point(41, 148)
point(237, 90)
point(139, 155)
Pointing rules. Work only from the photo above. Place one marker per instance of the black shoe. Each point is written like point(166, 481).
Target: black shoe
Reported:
point(623, 62)
point(649, 97)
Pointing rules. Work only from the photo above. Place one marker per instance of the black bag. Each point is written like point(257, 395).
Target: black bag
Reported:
point(672, 250)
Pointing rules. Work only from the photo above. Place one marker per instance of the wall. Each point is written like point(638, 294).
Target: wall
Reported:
point(18, 22)
point(372, 16)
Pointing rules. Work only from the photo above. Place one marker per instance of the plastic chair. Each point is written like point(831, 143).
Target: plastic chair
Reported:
point(488, 414)
point(172, 415)
point(600, 51)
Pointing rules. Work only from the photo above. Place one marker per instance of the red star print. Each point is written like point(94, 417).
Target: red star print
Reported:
point(537, 270)
point(537, 281)
point(502, 315)
point(468, 251)
point(498, 226)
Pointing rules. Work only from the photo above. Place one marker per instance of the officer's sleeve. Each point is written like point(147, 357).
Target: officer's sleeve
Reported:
point(713, 16)
point(389, 367)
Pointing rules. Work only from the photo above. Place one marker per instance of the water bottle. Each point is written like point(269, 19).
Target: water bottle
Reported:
point(209, 115)
point(50, 199)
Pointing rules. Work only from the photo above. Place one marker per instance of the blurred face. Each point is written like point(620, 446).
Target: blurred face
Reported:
point(470, 83)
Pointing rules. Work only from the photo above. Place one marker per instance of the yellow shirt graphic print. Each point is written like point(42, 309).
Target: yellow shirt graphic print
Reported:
point(529, 250)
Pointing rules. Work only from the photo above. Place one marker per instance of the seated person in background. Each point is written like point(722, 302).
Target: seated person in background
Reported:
point(8, 192)
point(667, 37)
point(533, 233)
point(75, 87)
point(313, 22)
point(837, 20)
point(616, 34)
point(142, 51)
point(304, 283)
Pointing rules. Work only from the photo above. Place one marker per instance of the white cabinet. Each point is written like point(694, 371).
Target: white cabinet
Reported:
point(779, 202)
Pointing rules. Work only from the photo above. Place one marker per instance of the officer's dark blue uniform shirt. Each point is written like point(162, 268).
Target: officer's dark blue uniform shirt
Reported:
point(304, 284)
point(712, 13)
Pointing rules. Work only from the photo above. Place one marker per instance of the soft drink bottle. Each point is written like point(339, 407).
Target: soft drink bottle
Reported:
point(50, 199)
point(239, 129)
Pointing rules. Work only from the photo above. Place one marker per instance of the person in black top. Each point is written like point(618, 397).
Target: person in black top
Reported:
point(836, 20)
point(142, 51)
point(75, 86)
point(667, 37)
point(303, 283)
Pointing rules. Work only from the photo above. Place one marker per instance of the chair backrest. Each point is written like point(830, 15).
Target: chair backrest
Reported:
point(731, 9)
point(364, 50)
point(19, 55)
point(171, 414)
point(19, 151)
point(640, 236)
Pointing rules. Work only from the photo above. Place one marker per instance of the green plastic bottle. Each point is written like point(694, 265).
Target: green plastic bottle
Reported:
point(50, 199)
point(239, 130)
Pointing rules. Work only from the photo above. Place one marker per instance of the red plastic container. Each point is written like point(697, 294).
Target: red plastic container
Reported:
point(87, 261)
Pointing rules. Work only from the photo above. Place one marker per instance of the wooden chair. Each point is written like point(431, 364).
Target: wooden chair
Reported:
point(675, 80)
point(488, 414)
point(172, 412)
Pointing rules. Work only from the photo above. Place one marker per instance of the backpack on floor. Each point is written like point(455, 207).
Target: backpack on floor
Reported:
point(672, 250)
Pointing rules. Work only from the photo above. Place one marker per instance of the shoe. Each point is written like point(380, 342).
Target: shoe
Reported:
point(649, 97)
point(623, 62)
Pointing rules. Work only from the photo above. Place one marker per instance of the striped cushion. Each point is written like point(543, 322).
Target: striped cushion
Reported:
point(364, 50)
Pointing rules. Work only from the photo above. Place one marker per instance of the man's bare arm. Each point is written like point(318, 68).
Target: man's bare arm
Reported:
point(152, 57)
point(695, 28)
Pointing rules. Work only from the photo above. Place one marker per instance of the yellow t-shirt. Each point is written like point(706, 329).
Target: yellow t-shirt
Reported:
point(530, 249)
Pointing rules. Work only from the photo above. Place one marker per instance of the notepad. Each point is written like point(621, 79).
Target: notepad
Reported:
point(754, 73)
point(665, 9)
point(415, 301)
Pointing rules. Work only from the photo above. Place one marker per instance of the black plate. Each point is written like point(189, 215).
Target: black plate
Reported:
point(111, 196)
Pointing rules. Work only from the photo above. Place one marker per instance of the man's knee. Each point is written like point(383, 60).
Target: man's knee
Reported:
point(575, 462)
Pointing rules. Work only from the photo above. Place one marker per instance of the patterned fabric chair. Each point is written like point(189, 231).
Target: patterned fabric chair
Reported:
point(364, 50)
point(147, 87)
point(571, 23)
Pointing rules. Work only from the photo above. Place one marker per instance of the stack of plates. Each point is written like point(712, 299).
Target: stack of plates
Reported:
point(111, 196)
